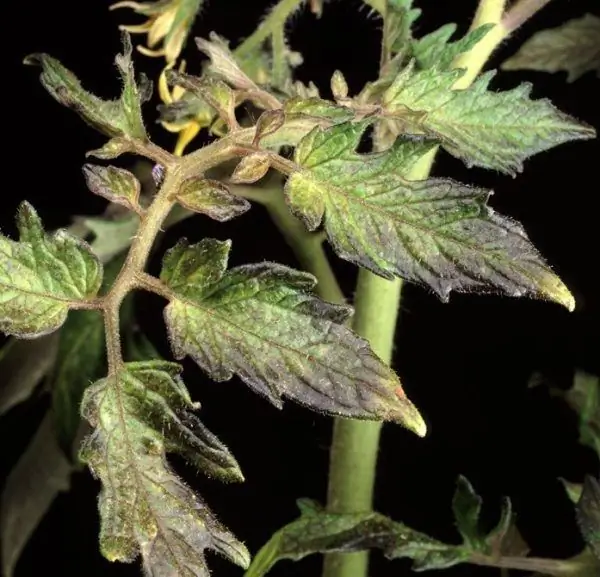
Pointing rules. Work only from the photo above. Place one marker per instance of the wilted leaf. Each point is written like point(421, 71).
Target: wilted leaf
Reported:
point(262, 323)
point(121, 117)
point(23, 364)
point(573, 47)
point(317, 531)
point(496, 130)
point(436, 232)
point(251, 168)
point(212, 198)
point(139, 414)
point(115, 184)
point(40, 474)
point(42, 276)
point(436, 51)
point(588, 514)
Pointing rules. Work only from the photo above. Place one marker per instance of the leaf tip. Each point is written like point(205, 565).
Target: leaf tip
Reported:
point(555, 290)
point(408, 415)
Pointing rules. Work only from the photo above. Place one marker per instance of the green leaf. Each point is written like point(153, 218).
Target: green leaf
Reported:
point(503, 539)
point(79, 363)
point(111, 236)
point(317, 531)
point(42, 276)
point(212, 198)
point(115, 184)
point(140, 413)
point(399, 19)
point(573, 490)
point(121, 117)
point(40, 474)
point(466, 506)
point(263, 323)
point(436, 51)
point(23, 365)
point(573, 47)
point(496, 130)
point(584, 399)
point(588, 514)
point(438, 233)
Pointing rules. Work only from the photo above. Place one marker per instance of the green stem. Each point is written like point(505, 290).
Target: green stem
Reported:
point(274, 21)
point(307, 246)
point(355, 444)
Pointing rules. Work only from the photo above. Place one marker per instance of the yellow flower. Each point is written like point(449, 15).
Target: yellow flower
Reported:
point(187, 129)
point(169, 22)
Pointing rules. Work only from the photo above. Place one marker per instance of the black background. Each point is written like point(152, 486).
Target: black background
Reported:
point(465, 364)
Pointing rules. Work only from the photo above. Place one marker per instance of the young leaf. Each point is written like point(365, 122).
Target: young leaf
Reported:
point(223, 64)
point(436, 51)
point(42, 276)
point(262, 323)
point(268, 122)
point(588, 514)
point(317, 107)
point(573, 47)
point(212, 198)
point(114, 148)
point(40, 474)
point(339, 86)
point(466, 506)
point(251, 168)
point(121, 117)
point(212, 91)
point(115, 184)
point(317, 531)
point(436, 232)
point(496, 130)
point(140, 413)
point(23, 365)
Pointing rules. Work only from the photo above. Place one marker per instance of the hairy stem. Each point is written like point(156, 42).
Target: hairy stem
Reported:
point(275, 21)
point(176, 171)
point(522, 11)
point(355, 444)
